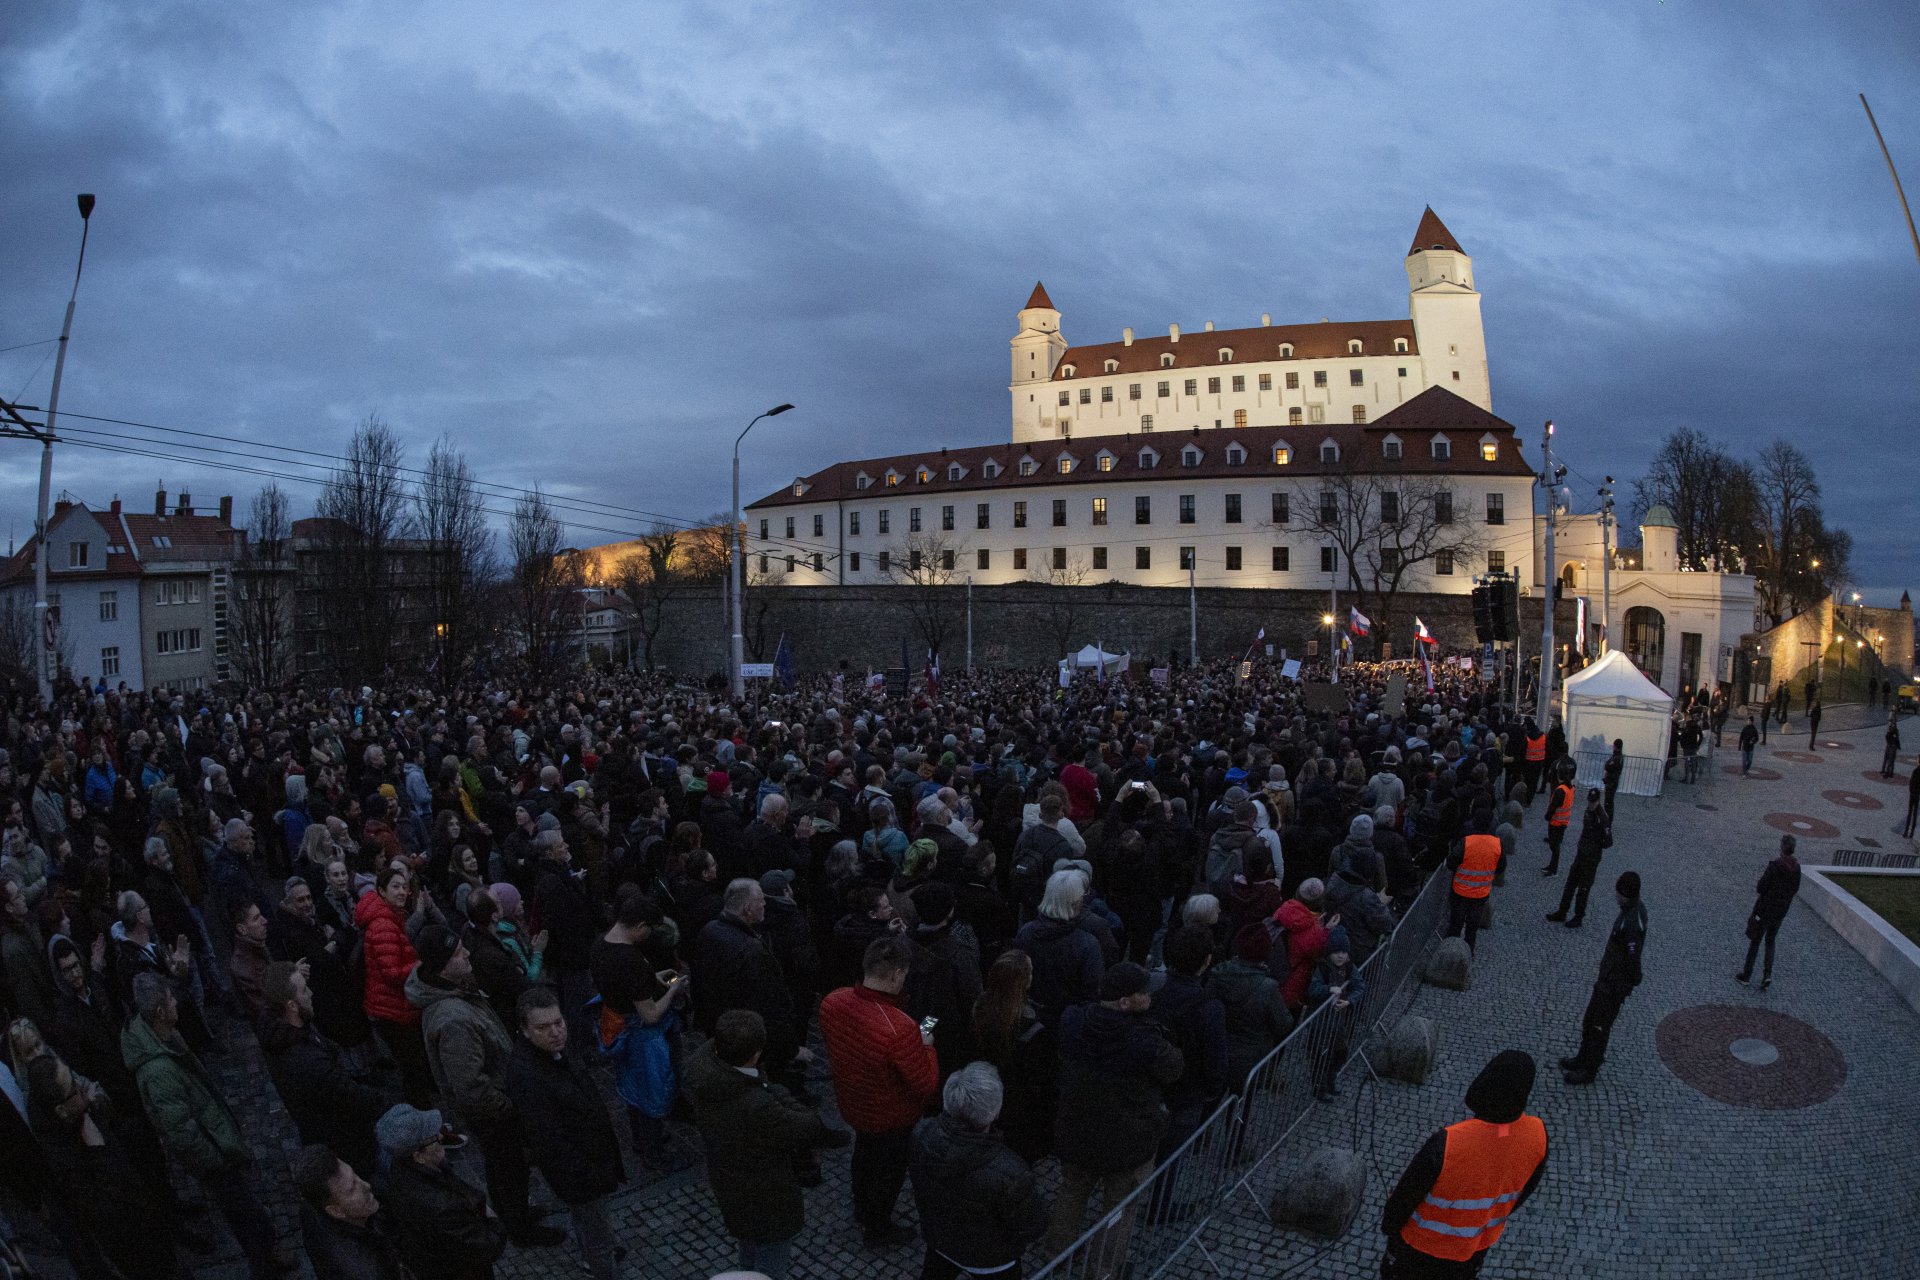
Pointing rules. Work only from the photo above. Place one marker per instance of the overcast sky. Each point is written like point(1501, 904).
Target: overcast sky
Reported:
point(592, 240)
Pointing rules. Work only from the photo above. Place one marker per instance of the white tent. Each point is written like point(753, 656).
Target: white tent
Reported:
point(1612, 699)
point(1093, 657)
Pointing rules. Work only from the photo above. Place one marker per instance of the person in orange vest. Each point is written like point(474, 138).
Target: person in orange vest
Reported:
point(1455, 1199)
point(1475, 861)
point(1536, 759)
point(1559, 814)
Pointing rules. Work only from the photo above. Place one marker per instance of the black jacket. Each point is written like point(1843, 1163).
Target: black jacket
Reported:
point(567, 916)
point(87, 1035)
point(1114, 1068)
point(790, 935)
point(764, 848)
point(569, 1137)
point(1595, 833)
point(752, 1131)
point(720, 835)
point(1778, 883)
point(1196, 1021)
point(734, 968)
point(329, 1103)
point(342, 1251)
point(1620, 963)
point(1067, 964)
point(498, 972)
point(1257, 1016)
point(441, 1223)
point(944, 982)
point(979, 1205)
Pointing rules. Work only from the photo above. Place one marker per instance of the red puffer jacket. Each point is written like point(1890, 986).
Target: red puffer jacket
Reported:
point(390, 957)
point(1305, 939)
point(883, 1076)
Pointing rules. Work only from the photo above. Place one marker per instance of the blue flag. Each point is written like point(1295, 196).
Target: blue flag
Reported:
point(783, 662)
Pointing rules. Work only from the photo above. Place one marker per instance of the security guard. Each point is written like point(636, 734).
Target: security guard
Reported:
point(1536, 760)
point(1475, 862)
point(1455, 1199)
point(1559, 814)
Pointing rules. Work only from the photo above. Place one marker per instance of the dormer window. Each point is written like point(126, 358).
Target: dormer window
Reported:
point(1226, 355)
point(1235, 455)
point(799, 488)
point(1190, 456)
point(1104, 461)
point(1110, 366)
point(955, 471)
point(1166, 360)
point(1441, 448)
point(1329, 451)
point(1282, 455)
point(863, 481)
point(1149, 459)
point(1067, 371)
point(893, 478)
point(1028, 466)
point(922, 474)
point(1065, 463)
point(989, 469)
point(1390, 448)
point(1489, 449)
point(1354, 346)
point(1286, 351)
point(1400, 346)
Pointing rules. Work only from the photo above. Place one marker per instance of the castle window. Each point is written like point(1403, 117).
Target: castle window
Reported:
point(946, 517)
point(1143, 557)
point(1282, 511)
point(922, 475)
point(1496, 508)
point(1146, 422)
point(1354, 347)
point(1143, 509)
point(913, 519)
point(763, 531)
point(886, 521)
point(1149, 459)
point(1293, 382)
point(1356, 378)
point(1443, 562)
point(1166, 360)
point(1233, 559)
point(983, 559)
point(1067, 371)
point(1059, 513)
point(1213, 386)
point(1239, 417)
point(1028, 467)
point(1191, 386)
point(893, 479)
point(1286, 351)
point(1359, 413)
point(946, 559)
point(1099, 557)
point(1020, 558)
point(1226, 355)
point(789, 526)
point(1400, 348)
point(1235, 454)
point(1086, 395)
point(1186, 508)
point(1019, 515)
point(1489, 451)
point(1066, 398)
point(1390, 448)
point(1165, 389)
point(1106, 395)
point(1293, 416)
point(1266, 382)
point(1400, 372)
point(1233, 508)
point(1282, 455)
point(1190, 456)
point(819, 526)
point(1105, 461)
point(799, 488)
point(819, 562)
point(989, 468)
point(1059, 557)
point(863, 481)
point(1442, 449)
point(1389, 507)
point(1329, 451)
point(1282, 559)
point(1066, 466)
point(1239, 382)
point(1133, 391)
point(955, 471)
point(886, 561)
point(853, 561)
point(1111, 366)
point(853, 524)
point(1099, 510)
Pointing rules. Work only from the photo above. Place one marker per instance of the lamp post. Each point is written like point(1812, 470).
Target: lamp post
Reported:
point(736, 652)
point(1333, 657)
point(49, 655)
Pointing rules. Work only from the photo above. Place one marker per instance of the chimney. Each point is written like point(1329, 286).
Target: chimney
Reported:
point(1209, 326)
point(60, 508)
point(1173, 332)
point(226, 509)
point(1126, 337)
point(186, 504)
point(1266, 319)
point(160, 502)
point(114, 507)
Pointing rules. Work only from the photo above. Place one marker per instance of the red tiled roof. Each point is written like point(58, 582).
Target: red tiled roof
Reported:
point(1323, 341)
point(1039, 298)
point(1433, 234)
point(1433, 410)
point(191, 537)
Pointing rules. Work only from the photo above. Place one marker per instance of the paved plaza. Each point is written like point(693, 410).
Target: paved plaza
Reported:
point(1649, 1175)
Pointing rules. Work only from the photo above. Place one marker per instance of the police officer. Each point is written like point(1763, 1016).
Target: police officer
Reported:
point(1596, 833)
point(1453, 1202)
point(1619, 975)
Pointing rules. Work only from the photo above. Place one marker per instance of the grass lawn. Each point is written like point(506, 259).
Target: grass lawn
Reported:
point(1895, 899)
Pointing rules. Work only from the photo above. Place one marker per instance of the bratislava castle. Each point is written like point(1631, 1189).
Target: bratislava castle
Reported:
point(1219, 457)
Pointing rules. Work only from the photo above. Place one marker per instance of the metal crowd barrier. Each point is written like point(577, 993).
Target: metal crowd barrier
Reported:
point(1642, 775)
point(1148, 1231)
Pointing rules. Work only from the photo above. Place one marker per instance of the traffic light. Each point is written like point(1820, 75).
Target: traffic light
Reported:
point(1504, 604)
point(1482, 615)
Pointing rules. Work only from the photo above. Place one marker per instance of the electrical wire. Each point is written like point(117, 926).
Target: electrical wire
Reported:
point(22, 346)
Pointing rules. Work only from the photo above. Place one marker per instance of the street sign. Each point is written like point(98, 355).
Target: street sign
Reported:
point(756, 671)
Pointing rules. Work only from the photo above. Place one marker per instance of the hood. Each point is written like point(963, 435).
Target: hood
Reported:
point(1235, 980)
point(421, 993)
point(711, 1083)
point(371, 907)
point(140, 1044)
point(1498, 1095)
point(1047, 929)
point(1295, 917)
point(1113, 1041)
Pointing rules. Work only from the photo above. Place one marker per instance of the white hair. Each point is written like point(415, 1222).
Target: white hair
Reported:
point(1201, 908)
point(933, 811)
point(974, 1093)
point(772, 803)
point(1065, 891)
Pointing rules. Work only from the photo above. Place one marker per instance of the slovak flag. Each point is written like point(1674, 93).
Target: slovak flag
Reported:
point(1420, 633)
point(1260, 635)
point(1357, 622)
point(933, 671)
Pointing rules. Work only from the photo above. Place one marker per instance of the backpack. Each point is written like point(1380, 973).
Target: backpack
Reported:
point(1039, 847)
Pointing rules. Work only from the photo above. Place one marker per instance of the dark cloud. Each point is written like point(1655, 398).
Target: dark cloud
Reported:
point(590, 241)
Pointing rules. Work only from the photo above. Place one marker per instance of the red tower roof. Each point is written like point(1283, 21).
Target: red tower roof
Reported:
point(1433, 234)
point(1039, 298)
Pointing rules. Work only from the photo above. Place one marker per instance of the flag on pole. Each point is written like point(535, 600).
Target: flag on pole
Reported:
point(1357, 622)
point(1100, 663)
point(1260, 635)
point(933, 672)
point(1066, 676)
point(783, 662)
point(1420, 633)
point(1426, 665)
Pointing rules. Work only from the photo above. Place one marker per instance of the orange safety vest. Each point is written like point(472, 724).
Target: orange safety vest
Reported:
point(1561, 811)
point(1474, 877)
point(1485, 1170)
point(1537, 748)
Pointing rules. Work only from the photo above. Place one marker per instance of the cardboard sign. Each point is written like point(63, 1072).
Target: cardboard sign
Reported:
point(1159, 675)
point(1290, 668)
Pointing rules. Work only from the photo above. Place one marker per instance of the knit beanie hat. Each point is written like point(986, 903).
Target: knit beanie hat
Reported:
point(1498, 1095)
point(1628, 884)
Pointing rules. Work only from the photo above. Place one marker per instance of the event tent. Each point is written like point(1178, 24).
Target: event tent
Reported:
point(1093, 657)
point(1612, 699)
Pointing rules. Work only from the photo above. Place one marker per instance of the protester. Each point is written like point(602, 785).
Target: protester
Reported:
point(1620, 973)
point(330, 1103)
point(439, 1219)
point(1776, 889)
point(979, 1203)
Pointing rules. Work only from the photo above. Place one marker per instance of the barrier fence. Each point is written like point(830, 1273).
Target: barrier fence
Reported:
point(1149, 1230)
point(1641, 775)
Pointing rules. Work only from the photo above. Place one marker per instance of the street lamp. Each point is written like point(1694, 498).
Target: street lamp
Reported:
point(48, 653)
point(737, 651)
point(1326, 620)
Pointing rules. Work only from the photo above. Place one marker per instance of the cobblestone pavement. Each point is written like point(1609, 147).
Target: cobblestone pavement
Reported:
point(1649, 1178)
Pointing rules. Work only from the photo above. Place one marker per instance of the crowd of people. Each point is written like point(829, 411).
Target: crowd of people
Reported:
point(1017, 920)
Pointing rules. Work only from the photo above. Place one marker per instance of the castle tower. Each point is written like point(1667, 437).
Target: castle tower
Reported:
point(1659, 541)
point(1446, 313)
point(1037, 348)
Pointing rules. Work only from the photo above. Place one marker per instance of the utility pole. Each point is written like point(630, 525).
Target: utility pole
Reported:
point(969, 622)
point(1333, 616)
point(1193, 617)
point(1606, 566)
point(1897, 188)
point(1549, 480)
point(49, 656)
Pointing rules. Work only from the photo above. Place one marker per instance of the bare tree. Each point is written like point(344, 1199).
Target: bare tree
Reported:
point(1389, 530)
point(458, 557)
point(363, 511)
point(1710, 495)
point(19, 649)
point(1062, 607)
point(1786, 532)
point(924, 567)
point(547, 581)
point(652, 576)
point(704, 553)
point(263, 580)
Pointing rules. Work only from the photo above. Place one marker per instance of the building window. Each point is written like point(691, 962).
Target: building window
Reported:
point(853, 524)
point(76, 555)
point(1359, 413)
point(1104, 462)
point(1066, 398)
point(1146, 422)
point(1496, 508)
point(1282, 559)
point(853, 561)
point(1059, 513)
point(1164, 389)
point(1066, 466)
point(1443, 449)
point(1148, 459)
point(1329, 506)
point(1086, 395)
point(819, 562)
point(1133, 391)
point(1143, 557)
point(1191, 386)
point(1186, 557)
point(1100, 558)
point(1390, 450)
point(109, 606)
point(1239, 382)
point(1400, 349)
point(982, 559)
point(862, 481)
point(1143, 510)
point(1353, 347)
point(110, 660)
point(1233, 508)
point(1329, 560)
point(819, 526)
point(1389, 559)
point(946, 519)
point(893, 479)
point(1496, 562)
point(913, 560)
point(1239, 420)
point(1443, 562)
point(1028, 467)
point(913, 519)
point(1213, 386)
point(1400, 372)
point(1235, 454)
point(792, 563)
point(1456, 375)
point(1233, 559)
point(1356, 378)
point(1106, 395)
point(1489, 452)
point(789, 526)
point(1443, 507)
point(193, 591)
point(1319, 377)
point(1099, 510)
point(1266, 382)
point(981, 518)
point(763, 530)
point(1293, 381)
point(1186, 508)
point(1059, 557)
point(1282, 455)
point(946, 560)
point(183, 640)
point(955, 471)
point(1189, 457)
point(1329, 452)
point(1293, 416)
point(1166, 360)
point(886, 521)
point(1020, 558)
point(763, 564)
point(989, 468)
point(1019, 515)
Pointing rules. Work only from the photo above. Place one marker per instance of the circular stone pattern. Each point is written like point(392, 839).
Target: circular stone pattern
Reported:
point(1802, 824)
point(1757, 773)
point(1873, 775)
point(1852, 800)
point(1797, 757)
point(1749, 1057)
